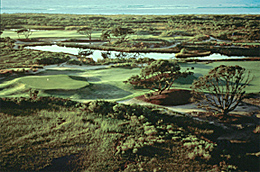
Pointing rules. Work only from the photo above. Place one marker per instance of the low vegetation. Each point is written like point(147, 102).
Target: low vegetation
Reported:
point(107, 136)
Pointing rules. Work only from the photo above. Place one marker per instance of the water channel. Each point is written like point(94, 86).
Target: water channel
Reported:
point(97, 54)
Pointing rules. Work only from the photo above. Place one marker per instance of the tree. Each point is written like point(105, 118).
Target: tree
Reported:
point(121, 33)
point(86, 31)
point(170, 24)
point(106, 35)
point(2, 27)
point(106, 55)
point(222, 88)
point(158, 76)
point(25, 32)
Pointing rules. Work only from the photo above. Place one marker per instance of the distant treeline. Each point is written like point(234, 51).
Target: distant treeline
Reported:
point(223, 26)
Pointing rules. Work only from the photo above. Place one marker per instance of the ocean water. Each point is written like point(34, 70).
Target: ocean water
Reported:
point(139, 7)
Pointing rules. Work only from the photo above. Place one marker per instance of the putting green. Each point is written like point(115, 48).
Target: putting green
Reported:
point(51, 82)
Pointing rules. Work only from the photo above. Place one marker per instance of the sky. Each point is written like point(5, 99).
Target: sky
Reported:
point(69, 5)
point(106, 2)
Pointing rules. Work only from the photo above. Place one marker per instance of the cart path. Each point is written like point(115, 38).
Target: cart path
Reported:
point(242, 109)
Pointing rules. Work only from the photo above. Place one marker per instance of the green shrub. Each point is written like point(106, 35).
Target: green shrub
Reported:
point(74, 62)
point(158, 76)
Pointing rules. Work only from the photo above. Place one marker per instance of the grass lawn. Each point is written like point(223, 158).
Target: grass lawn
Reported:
point(108, 83)
point(50, 82)
point(20, 86)
point(50, 34)
point(104, 84)
point(254, 68)
point(74, 34)
point(201, 69)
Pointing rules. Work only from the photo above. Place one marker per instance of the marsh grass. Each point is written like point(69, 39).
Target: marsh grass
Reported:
point(31, 136)
point(38, 140)
point(104, 136)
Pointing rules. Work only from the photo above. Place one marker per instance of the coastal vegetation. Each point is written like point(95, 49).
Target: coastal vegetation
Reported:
point(226, 34)
point(226, 27)
point(238, 28)
point(158, 76)
point(69, 112)
point(223, 88)
point(98, 136)
point(25, 32)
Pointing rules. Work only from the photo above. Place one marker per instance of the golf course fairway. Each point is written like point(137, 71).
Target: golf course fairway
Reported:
point(51, 82)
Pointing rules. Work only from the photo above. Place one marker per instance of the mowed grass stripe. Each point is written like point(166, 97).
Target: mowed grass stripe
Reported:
point(50, 82)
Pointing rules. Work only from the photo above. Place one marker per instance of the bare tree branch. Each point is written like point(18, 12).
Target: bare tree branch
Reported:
point(225, 86)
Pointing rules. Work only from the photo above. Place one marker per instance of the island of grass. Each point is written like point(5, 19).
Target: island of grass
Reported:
point(54, 82)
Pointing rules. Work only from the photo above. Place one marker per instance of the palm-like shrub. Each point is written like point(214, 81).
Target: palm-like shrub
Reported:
point(222, 89)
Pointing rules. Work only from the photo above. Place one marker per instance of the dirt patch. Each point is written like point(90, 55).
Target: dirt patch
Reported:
point(170, 97)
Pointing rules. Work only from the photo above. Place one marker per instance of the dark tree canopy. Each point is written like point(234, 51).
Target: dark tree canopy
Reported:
point(158, 76)
point(25, 32)
point(222, 88)
point(121, 33)
point(86, 31)
point(106, 35)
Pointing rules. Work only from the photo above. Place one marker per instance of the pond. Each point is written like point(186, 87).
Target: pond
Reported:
point(99, 54)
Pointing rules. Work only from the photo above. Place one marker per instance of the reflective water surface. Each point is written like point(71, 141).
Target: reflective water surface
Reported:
point(99, 54)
